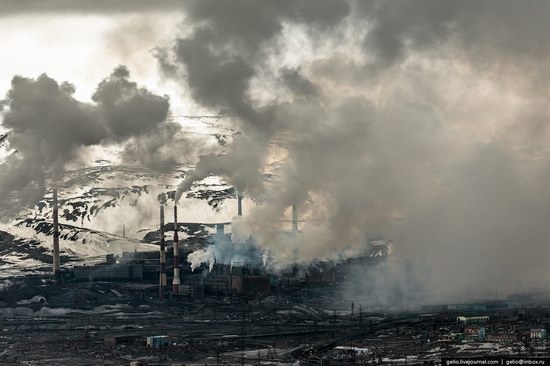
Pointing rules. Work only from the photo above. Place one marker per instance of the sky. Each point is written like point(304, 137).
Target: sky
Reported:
point(422, 121)
point(84, 48)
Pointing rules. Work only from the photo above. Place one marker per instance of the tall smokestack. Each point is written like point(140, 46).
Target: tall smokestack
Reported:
point(294, 217)
point(56, 264)
point(162, 279)
point(176, 282)
point(240, 204)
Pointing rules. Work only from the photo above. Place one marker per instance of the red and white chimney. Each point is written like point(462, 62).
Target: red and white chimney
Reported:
point(176, 282)
point(162, 279)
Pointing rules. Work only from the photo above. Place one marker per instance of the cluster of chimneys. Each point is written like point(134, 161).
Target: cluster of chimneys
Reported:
point(162, 280)
point(177, 280)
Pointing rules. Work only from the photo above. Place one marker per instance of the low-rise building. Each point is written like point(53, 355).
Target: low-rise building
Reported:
point(158, 341)
point(250, 285)
point(474, 332)
point(505, 338)
point(452, 337)
point(115, 340)
point(472, 319)
point(537, 333)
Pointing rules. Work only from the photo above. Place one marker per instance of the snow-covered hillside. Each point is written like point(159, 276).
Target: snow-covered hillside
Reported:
point(100, 201)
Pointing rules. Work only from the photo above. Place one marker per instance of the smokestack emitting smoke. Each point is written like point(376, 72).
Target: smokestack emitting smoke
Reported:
point(162, 279)
point(240, 205)
point(56, 261)
point(176, 282)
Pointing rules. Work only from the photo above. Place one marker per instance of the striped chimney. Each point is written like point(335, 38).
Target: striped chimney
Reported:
point(162, 279)
point(176, 283)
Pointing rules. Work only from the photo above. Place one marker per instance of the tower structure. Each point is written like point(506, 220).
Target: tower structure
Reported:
point(56, 261)
point(162, 279)
point(176, 281)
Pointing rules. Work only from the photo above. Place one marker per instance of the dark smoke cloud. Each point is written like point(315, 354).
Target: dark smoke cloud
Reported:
point(49, 127)
point(423, 120)
point(219, 76)
point(126, 109)
point(494, 36)
point(164, 148)
point(297, 83)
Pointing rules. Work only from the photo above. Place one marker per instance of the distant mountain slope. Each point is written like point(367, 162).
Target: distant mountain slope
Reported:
point(99, 202)
point(106, 197)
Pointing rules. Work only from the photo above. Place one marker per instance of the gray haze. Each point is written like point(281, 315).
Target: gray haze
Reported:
point(429, 129)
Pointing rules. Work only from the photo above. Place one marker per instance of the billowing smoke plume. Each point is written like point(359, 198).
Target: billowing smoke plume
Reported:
point(127, 110)
point(237, 251)
point(48, 128)
point(201, 256)
point(219, 77)
point(423, 120)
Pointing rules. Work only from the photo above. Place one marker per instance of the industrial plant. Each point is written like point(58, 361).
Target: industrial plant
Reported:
point(123, 310)
point(216, 313)
point(274, 182)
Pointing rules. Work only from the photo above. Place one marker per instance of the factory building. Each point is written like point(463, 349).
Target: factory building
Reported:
point(472, 319)
point(229, 280)
point(131, 266)
point(323, 273)
point(247, 279)
point(109, 272)
point(250, 285)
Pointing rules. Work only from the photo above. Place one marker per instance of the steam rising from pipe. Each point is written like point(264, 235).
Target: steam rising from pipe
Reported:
point(201, 256)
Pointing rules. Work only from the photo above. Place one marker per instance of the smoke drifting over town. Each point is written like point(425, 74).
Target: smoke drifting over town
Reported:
point(425, 122)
